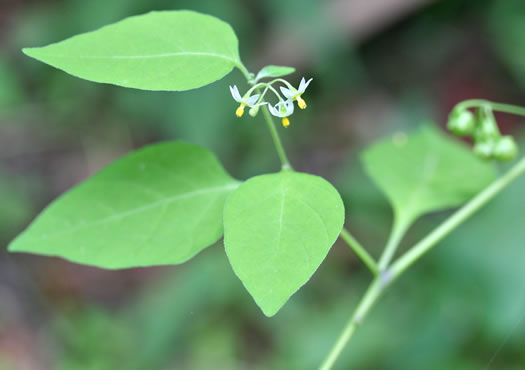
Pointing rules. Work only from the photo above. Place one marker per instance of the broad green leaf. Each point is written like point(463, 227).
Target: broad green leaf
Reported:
point(425, 171)
point(274, 71)
point(166, 50)
point(157, 206)
point(278, 229)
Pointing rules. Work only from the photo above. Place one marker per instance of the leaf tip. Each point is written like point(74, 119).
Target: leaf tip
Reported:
point(31, 52)
point(27, 51)
point(269, 313)
point(270, 310)
point(13, 246)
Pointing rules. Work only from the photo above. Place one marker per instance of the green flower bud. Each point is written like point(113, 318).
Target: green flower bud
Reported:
point(484, 149)
point(487, 128)
point(462, 123)
point(253, 111)
point(505, 149)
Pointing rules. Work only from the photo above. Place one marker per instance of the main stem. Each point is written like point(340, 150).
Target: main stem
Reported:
point(276, 139)
point(285, 164)
point(372, 294)
point(386, 277)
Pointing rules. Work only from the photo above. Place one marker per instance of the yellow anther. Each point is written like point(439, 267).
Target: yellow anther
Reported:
point(240, 111)
point(301, 103)
point(286, 122)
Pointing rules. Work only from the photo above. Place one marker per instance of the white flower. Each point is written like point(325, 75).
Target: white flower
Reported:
point(282, 109)
point(294, 94)
point(244, 101)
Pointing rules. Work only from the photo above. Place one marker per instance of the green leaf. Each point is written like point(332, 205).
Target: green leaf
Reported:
point(167, 50)
point(278, 229)
point(159, 205)
point(274, 71)
point(425, 171)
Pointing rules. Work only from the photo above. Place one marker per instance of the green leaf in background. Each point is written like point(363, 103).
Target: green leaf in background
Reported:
point(425, 171)
point(278, 229)
point(167, 50)
point(159, 205)
point(274, 71)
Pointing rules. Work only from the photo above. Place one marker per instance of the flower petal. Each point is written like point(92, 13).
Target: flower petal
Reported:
point(301, 85)
point(251, 100)
point(304, 84)
point(289, 107)
point(235, 93)
point(288, 94)
point(274, 110)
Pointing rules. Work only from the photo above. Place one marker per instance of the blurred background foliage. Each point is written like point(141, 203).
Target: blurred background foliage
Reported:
point(379, 66)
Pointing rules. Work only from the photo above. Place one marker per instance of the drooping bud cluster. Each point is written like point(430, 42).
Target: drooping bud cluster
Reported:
point(483, 129)
point(284, 107)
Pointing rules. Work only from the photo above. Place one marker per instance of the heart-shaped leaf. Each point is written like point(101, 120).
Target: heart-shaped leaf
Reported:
point(278, 229)
point(159, 205)
point(425, 171)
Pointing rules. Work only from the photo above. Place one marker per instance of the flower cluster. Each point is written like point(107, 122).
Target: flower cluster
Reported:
point(483, 130)
point(283, 109)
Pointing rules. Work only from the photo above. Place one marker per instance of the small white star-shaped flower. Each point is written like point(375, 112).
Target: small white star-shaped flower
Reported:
point(244, 101)
point(282, 109)
point(294, 94)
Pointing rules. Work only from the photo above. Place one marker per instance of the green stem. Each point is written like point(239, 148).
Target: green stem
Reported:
point(396, 235)
point(276, 139)
point(456, 219)
point(380, 283)
point(289, 85)
point(361, 252)
point(244, 71)
point(275, 92)
point(258, 86)
point(255, 87)
point(372, 294)
point(498, 107)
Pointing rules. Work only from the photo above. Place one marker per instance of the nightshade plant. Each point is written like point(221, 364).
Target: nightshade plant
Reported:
point(166, 202)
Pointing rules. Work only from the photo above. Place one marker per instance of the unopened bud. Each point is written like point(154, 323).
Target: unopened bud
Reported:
point(487, 128)
point(505, 149)
point(484, 149)
point(253, 111)
point(462, 123)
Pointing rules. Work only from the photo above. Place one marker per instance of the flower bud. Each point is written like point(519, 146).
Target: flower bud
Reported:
point(487, 128)
point(253, 111)
point(462, 123)
point(484, 149)
point(505, 149)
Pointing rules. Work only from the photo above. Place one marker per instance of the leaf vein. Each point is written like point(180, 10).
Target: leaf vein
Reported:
point(133, 211)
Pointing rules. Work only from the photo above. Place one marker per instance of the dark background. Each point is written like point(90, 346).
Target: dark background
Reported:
point(379, 66)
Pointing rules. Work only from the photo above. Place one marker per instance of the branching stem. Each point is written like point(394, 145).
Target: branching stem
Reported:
point(396, 235)
point(385, 273)
point(361, 252)
point(387, 276)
